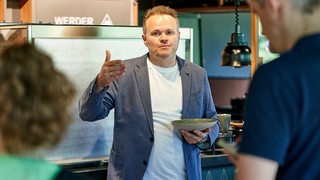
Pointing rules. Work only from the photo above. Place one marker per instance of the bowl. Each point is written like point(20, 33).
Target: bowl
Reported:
point(194, 124)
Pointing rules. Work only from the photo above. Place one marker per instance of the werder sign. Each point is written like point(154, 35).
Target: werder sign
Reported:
point(86, 12)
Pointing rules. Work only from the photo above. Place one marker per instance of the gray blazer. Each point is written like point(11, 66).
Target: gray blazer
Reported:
point(133, 124)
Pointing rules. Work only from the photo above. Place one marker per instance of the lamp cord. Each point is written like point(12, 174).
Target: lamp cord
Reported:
point(237, 26)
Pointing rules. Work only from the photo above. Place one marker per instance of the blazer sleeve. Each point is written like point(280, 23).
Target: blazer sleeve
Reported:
point(92, 105)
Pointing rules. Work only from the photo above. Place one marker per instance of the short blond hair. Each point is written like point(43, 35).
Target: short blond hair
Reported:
point(159, 10)
point(34, 100)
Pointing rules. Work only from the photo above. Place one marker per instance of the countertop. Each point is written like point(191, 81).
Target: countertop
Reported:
point(101, 164)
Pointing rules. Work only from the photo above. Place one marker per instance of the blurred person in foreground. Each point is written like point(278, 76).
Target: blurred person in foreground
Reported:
point(147, 93)
point(281, 136)
point(34, 113)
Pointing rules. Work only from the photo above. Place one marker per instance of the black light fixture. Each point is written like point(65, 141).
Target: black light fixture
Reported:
point(237, 53)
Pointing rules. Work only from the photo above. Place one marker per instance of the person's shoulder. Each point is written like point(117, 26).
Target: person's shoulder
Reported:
point(194, 68)
point(135, 60)
point(189, 64)
point(273, 69)
point(67, 175)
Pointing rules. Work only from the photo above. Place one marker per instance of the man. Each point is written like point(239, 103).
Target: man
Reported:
point(280, 138)
point(147, 93)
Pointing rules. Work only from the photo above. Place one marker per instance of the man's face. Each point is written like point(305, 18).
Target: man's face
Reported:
point(270, 23)
point(161, 36)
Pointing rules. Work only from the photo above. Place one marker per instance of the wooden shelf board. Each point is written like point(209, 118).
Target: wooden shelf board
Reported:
point(214, 9)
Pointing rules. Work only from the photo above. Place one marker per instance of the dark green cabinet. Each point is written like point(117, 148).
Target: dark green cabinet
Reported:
point(219, 173)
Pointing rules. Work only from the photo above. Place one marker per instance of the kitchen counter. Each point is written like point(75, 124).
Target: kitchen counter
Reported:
point(213, 167)
point(209, 161)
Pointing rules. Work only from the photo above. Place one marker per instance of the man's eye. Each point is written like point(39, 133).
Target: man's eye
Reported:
point(170, 33)
point(155, 34)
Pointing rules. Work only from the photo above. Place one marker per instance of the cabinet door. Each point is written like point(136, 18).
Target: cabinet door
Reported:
point(26, 11)
point(193, 21)
point(220, 173)
point(1, 10)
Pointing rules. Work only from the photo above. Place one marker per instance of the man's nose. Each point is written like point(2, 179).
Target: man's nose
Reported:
point(163, 37)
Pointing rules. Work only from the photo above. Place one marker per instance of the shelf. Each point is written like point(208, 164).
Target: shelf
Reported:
point(214, 9)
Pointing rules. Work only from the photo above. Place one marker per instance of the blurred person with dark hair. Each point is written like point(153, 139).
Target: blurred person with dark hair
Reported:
point(34, 113)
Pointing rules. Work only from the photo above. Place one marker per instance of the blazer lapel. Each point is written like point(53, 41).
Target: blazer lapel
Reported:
point(142, 78)
point(186, 86)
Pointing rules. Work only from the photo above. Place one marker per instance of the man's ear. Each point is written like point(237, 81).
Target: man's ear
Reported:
point(144, 39)
point(275, 8)
point(274, 5)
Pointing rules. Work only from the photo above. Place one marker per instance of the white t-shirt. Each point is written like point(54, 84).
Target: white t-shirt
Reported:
point(166, 159)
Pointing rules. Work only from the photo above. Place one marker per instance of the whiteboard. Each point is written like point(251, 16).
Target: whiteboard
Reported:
point(81, 59)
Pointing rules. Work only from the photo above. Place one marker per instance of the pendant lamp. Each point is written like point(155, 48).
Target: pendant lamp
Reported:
point(237, 53)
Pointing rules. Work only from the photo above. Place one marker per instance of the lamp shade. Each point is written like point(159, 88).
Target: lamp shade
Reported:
point(237, 53)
